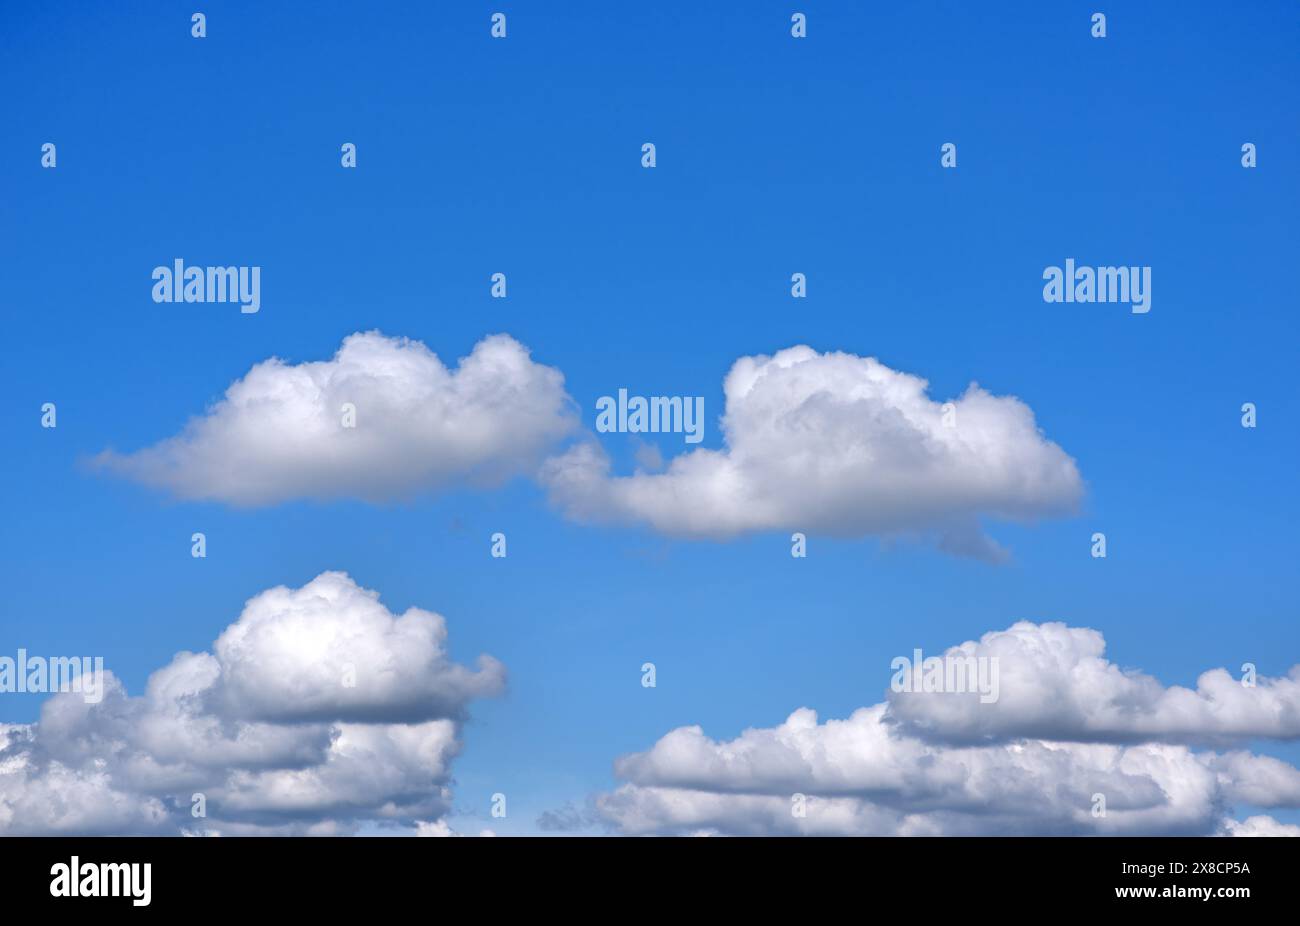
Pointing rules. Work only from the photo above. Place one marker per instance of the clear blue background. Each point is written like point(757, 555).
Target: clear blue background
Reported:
point(774, 156)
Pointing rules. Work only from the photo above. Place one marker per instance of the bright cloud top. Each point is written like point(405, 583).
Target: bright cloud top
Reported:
point(840, 444)
point(282, 660)
point(870, 773)
point(280, 432)
point(279, 729)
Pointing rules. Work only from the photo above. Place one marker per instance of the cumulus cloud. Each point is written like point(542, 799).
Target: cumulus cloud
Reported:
point(1056, 683)
point(831, 442)
point(316, 711)
point(884, 773)
point(285, 655)
point(843, 445)
point(279, 432)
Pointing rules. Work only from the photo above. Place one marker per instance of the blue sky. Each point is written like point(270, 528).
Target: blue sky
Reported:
point(774, 156)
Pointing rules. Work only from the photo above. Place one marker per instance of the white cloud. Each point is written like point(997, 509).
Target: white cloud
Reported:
point(278, 433)
point(372, 772)
point(842, 445)
point(1259, 780)
point(873, 774)
point(440, 828)
point(266, 727)
point(284, 658)
point(1261, 825)
point(1056, 683)
point(832, 443)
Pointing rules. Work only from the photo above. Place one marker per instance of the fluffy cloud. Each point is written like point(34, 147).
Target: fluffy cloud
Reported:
point(882, 772)
point(842, 445)
point(285, 655)
point(1056, 683)
point(278, 433)
point(318, 709)
point(831, 442)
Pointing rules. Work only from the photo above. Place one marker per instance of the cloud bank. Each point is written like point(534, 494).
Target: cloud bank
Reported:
point(317, 710)
point(842, 445)
point(832, 443)
point(1068, 726)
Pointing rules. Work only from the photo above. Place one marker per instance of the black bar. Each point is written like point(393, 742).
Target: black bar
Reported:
point(633, 877)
